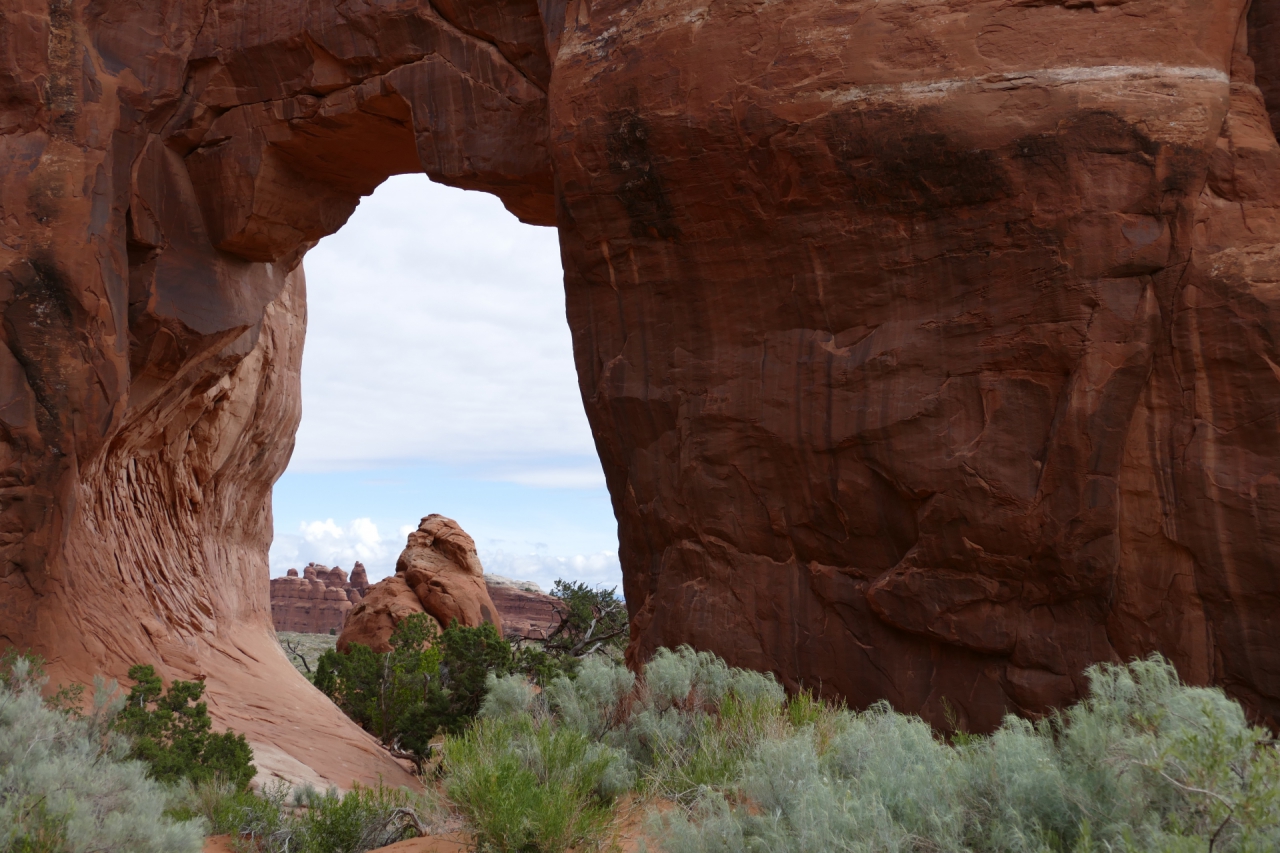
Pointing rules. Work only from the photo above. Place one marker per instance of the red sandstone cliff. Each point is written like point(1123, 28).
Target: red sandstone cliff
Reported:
point(527, 612)
point(319, 600)
point(929, 349)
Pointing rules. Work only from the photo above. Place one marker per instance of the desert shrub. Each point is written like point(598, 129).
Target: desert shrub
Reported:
point(378, 690)
point(67, 784)
point(228, 809)
point(690, 724)
point(1144, 763)
point(308, 821)
point(430, 681)
point(172, 733)
point(530, 785)
point(541, 771)
point(595, 620)
point(362, 819)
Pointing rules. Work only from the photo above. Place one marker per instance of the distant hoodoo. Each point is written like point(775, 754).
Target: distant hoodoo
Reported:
point(317, 602)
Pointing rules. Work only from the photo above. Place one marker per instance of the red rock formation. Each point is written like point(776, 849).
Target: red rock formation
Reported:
point(440, 571)
point(527, 612)
point(930, 350)
point(371, 622)
point(439, 563)
point(359, 578)
point(318, 602)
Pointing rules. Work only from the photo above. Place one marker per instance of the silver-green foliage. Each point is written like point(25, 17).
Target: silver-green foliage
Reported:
point(1143, 764)
point(525, 783)
point(541, 771)
point(65, 784)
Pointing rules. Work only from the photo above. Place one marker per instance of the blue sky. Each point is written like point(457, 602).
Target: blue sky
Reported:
point(438, 377)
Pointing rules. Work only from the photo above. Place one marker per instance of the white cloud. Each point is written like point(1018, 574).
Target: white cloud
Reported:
point(332, 544)
point(437, 333)
point(599, 569)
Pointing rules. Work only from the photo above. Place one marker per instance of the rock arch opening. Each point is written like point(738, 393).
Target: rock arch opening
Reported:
point(927, 358)
point(438, 375)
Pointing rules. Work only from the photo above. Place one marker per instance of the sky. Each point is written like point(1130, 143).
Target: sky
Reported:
point(438, 376)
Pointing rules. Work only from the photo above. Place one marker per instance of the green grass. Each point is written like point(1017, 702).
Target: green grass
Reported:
point(530, 785)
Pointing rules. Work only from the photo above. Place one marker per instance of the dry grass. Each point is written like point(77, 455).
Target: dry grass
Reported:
point(309, 646)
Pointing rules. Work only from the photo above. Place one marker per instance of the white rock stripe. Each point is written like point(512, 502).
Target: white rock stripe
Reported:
point(1039, 77)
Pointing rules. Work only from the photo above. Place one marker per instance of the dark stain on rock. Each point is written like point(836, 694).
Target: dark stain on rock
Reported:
point(893, 168)
point(640, 187)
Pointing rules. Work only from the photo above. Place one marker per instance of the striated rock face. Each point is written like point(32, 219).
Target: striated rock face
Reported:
point(437, 573)
point(929, 349)
point(317, 602)
point(527, 612)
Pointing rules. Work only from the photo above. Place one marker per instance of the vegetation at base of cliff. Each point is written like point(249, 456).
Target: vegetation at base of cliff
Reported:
point(67, 783)
point(1144, 763)
point(171, 732)
point(433, 682)
point(144, 773)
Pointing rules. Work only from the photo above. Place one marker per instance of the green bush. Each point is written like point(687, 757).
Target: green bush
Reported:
point(595, 620)
point(67, 784)
point(267, 822)
point(531, 785)
point(1143, 764)
point(541, 771)
point(426, 684)
point(172, 733)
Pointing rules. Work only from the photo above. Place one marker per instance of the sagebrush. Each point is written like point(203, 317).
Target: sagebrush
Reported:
point(67, 784)
point(1144, 763)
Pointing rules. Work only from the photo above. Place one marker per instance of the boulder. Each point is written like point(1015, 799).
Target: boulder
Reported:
point(371, 622)
point(438, 573)
point(439, 563)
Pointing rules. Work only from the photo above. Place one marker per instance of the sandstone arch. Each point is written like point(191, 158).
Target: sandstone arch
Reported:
point(930, 351)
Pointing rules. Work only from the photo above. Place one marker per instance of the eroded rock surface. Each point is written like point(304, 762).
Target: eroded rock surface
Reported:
point(437, 573)
point(371, 623)
point(527, 612)
point(319, 600)
point(930, 350)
